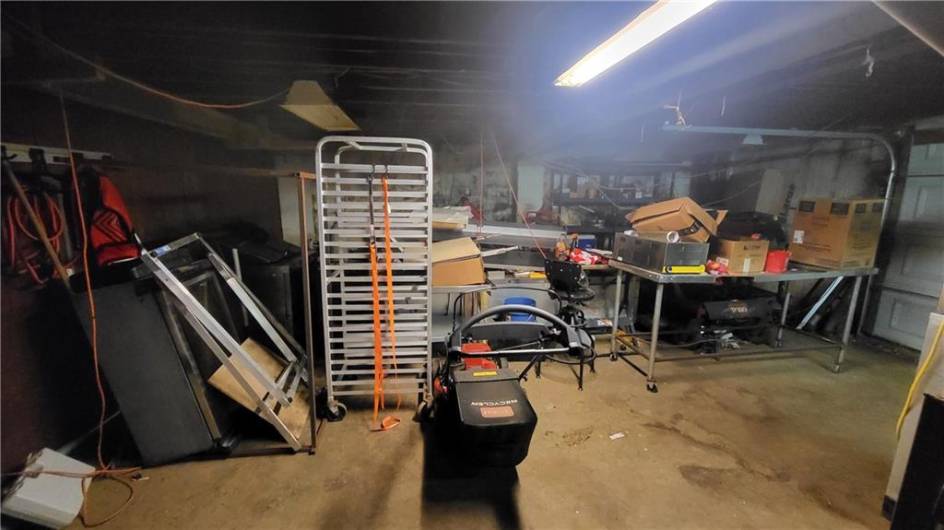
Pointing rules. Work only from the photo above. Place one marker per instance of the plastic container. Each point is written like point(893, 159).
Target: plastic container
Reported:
point(777, 261)
point(587, 241)
point(521, 300)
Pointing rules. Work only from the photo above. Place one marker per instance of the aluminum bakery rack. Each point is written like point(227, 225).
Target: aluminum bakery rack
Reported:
point(344, 167)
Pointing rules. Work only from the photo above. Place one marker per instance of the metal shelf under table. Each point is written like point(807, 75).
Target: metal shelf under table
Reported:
point(798, 273)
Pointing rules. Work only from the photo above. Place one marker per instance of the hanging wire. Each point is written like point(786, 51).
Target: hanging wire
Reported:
point(30, 33)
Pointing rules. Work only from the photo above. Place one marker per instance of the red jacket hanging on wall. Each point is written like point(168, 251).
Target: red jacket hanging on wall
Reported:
point(111, 234)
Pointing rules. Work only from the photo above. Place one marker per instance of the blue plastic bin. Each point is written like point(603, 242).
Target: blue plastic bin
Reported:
point(521, 300)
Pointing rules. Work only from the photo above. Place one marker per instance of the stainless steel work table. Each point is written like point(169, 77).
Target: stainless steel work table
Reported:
point(798, 273)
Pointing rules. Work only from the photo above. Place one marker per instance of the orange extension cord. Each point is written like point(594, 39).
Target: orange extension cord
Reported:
point(25, 29)
point(103, 471)
point(46, 209)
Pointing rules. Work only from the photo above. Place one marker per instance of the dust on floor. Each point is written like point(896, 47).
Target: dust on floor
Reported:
point(744, 443)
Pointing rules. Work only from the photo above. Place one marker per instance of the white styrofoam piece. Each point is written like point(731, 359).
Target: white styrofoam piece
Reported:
point(48, 500)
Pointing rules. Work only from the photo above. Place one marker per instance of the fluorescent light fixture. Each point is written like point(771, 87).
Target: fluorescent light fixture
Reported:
point(647, 27)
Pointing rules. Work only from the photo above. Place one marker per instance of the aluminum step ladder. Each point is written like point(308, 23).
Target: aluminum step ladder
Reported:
point(269, 390)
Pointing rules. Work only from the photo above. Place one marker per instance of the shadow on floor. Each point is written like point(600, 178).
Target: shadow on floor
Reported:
point(453, 489)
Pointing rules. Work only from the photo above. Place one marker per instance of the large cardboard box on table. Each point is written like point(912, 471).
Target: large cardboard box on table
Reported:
point(457, 262)
point(681, 215)
point(836, 234)
point(742, 256)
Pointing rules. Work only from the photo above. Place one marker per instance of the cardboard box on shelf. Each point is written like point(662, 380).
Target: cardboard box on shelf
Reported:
point(457, 262)
point(681, 215)
point(741, 256)
point(836, 234)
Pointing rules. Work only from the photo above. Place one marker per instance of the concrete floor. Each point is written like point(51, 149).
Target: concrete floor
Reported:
point(780, 443)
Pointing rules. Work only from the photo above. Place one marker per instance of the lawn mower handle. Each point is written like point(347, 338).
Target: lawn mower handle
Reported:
point(573, 340)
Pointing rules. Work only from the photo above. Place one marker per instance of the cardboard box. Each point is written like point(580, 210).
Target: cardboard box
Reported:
point(681, 215)
point(836, 234)
point(457, 262)
point(743, 256)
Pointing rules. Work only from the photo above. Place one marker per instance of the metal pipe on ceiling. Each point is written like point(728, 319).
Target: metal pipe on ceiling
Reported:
point(816, 135)
point(800, 133)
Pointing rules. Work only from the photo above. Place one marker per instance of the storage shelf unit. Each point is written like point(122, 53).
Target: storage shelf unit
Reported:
point(345, 167)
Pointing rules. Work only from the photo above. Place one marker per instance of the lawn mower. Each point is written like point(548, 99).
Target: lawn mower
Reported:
point(478, 403)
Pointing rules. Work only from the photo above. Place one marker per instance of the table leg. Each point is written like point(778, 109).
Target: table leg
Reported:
point(783, 313)
point(865, 305)
point(580, 377)
point(847, 328)
point(632, 303)
point(616, 311)
point(654, 344)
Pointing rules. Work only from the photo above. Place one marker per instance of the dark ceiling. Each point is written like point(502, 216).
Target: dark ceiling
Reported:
point(446, 70)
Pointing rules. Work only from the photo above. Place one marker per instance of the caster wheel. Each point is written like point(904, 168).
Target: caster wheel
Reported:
point(837, 369)
point(652, 387)
point(336, 413)
point(423, 412)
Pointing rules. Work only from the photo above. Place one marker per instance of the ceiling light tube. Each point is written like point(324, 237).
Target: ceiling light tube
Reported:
point(647, 27)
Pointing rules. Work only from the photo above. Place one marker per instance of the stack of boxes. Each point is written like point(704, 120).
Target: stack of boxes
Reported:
point(827, 233)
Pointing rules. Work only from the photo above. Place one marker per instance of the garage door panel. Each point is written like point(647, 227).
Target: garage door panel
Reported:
point(902, 317)
point(912, 279)
point(916, 264)
point(926, 159)
point(923, 202)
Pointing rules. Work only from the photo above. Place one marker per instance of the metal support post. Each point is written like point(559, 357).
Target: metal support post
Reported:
point(654, 344)
point(617, 299)
point(865, 305)
point(783, 313)
point(632, 303)
point(847, 327)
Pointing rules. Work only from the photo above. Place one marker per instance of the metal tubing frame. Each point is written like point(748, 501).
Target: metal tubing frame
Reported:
point(827, 135)
point(847, 326)
point(263, 407)
point(188, 361)
point(654, 339)
point(783, 312)
point(616, 313)
point(193, 306)
point(358, 144)
point(652, 357)
point(819, 302)
point(281, 391)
